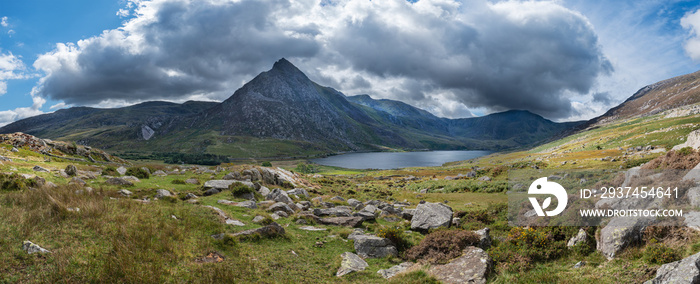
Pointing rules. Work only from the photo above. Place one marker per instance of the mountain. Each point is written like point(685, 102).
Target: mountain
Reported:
point(658, 97)
point(282, 113)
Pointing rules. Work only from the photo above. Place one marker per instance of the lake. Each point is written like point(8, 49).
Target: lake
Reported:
point(396, 160)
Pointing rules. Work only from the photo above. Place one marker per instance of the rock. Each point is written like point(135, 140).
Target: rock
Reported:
point(350, 263)
point(304, 205)
point(264, 191)
point(471, 267)
point(338, 199)
point(693, 194)
point(407, 214)
point(160, 193)
point(190, 196)
point(247, 195)
point(221, 185)
point(374, 247)
point(279, 195)
point(121, 170)
point(71, 170)
point(693, 174)
point(370, 208)
point(280, 206)
point(580, 264)
point(258, 219)
point(160, 173)
point(119, 181)
point(31, 248)
point(211, 191)
point(78, 181)
point(484, 238)
point(341, 221)
point(340, 211)
point(270, 231)
point(430, 216)
point(247, 204)
point(5, 159)
point(131, 178)
point(366, 216)
point(317, 200)
point(455, 222)
point(394, 270)
point(355, 204)
point(485, 178)
point(311, 228)
point(125, 192)
point(298, 192)
point(692, 220)
point(227, 220)
point(581, 237)
point(275, 216)
point(692, 141)
point(14, 150)
point(268, 176)
point(40, 169)
point(621, 232)
point(686, 270)
point(281, 214)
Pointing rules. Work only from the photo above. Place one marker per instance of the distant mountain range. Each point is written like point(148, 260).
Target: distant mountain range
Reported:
point(283, 113)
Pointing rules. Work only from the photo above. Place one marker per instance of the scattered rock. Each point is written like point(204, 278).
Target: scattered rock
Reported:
point(279, 206)
point(40, 169)
point(471, 267)
point(270, 231)
point(350, 263)
point(78, 181)
point(264, 191)
point(71, 170)
point(686, 270)
point(581, 237)
point(692, 141)
point(311, 228)
point(121, 170)
point(579, 264)
point(620, 233)
point(211, 191)
point(341, 221)
point(160, 173)
point(298, 192)
point(375, 247)
point(484, 238)
point(394, 270)
point(125, 192)
point(31, 248)
point(355, 204)
point(227, 220)
point(279, 195)
point(247, 204)
point(221, 185)
point(119, 181)
point(338, 199)
point(160, 193)
point(131, 178)
point(430, 216)
point(485, 178)
point(190, 196)
point(258, 219)
point(14, 150)
point(340, 211)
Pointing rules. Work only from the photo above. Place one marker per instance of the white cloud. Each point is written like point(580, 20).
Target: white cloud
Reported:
point(11, 68)
point(59, 106)
point(9, 116)
point(3, 22)
point(691, 22)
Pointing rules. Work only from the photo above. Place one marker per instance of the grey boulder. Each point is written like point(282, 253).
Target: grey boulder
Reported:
point(430, 216)
point(686, 270)
point(350, 263)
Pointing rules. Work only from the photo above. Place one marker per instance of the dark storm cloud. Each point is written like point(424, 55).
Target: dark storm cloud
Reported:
point(181, 49)
point(444, 55)
point(603, 98)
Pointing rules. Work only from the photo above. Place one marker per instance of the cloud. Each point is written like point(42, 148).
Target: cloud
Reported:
point(3, 22)
point(9, 116)
point(11, 68)
point(447, 56)
point(691, 22)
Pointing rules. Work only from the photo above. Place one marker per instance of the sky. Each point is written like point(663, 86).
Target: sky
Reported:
point(565, 60)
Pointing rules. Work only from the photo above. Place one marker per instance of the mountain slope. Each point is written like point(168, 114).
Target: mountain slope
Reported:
point(283, 113)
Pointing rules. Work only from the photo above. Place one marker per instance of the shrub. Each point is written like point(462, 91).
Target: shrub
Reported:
point(679, 160)
point(266, 164)
point(658, 253)
point(685, 151)
point(15, 182)
point(305, 168)
point(238, 188)
point(178, 181)
point(138, 172)
point(480, 218)
point(110, 171)
point(522, 247)
point(442, 245)
point(396, 236)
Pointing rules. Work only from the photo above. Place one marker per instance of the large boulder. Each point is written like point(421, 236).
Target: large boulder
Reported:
point(686, 270)
point(160, 193)
point(341, 221)
point(340, 211)
point(375, 247)
point(621, 232)
point(270, 231)
point(121, 170)
point(581, 237)
point(394, 270)
point(71, 170)
point(281, 206)
point(120, 182)
point(692, 141)
point(279, 195)
point(471, 267)
point(350, 263)
point(222, 185)
point(298, 192)
point(430, 216)
point(484, 238)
